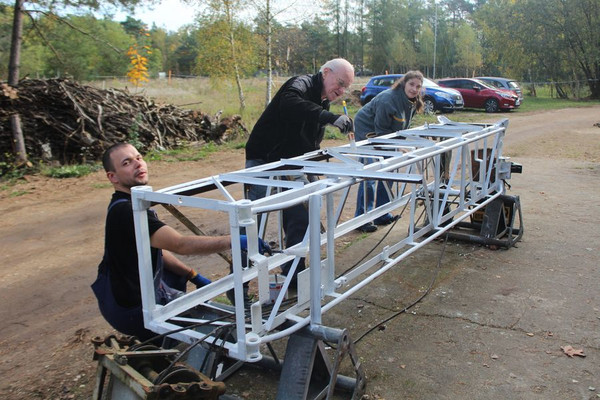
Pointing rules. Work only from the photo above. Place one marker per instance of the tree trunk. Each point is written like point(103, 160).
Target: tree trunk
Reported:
point(560, 91)
point(234, 59)
point(269, 60)
point(13, 80)
point(18, 141)
point(238, 80)
point(594, 89)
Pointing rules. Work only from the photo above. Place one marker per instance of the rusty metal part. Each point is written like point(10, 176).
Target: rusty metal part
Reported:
point(132, 373)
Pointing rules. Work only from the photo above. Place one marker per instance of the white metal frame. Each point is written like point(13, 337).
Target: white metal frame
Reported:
point(411, 159)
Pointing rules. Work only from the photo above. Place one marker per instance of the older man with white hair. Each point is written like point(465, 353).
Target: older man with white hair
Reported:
point(293, 124)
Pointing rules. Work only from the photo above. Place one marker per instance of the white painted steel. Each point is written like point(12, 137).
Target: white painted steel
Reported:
point(411, 159)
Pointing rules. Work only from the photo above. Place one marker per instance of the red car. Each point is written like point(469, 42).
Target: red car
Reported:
point(478, 94)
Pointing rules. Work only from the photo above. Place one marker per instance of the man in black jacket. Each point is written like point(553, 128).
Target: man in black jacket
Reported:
point(117, 286)
point(294, 121)
point(293, 124)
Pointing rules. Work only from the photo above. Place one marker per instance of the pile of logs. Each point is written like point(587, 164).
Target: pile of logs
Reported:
point(69, 122)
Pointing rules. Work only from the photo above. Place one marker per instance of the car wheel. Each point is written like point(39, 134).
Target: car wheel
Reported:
point(491, 105)
point(429, 106)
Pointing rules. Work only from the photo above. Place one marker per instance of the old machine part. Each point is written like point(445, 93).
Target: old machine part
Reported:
point(439, 177)
point(128, 370)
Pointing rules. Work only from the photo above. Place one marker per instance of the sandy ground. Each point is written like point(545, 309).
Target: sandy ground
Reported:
point(492, 326)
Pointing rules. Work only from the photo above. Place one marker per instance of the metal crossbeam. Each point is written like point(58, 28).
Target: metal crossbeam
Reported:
point(440, 174)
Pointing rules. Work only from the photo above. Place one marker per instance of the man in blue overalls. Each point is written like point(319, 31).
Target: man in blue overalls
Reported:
point(117, 287)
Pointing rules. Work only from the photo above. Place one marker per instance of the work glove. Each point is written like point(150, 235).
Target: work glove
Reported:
point(263, 247)
point(198, 279)
point(344, 124)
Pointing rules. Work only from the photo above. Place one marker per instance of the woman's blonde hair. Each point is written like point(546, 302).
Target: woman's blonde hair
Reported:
point(401, 83)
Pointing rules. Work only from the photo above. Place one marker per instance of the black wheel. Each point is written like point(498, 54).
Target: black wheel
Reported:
point(491, 105)
point(429, 106)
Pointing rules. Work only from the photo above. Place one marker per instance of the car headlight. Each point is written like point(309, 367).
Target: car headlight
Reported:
point(506, 96)
point(445, 95)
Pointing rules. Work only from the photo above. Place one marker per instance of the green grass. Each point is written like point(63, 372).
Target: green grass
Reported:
point(191, 152)
point(18, 193)
point(546, 103)
point(70, 171)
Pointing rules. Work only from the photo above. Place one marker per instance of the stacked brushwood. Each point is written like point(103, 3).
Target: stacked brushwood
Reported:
point(68, 122)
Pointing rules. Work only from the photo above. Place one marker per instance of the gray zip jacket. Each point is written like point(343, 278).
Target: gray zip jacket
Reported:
point(390, 111)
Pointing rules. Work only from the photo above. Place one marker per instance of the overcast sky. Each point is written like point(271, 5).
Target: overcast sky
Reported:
point(173, 14)
point(168, 14)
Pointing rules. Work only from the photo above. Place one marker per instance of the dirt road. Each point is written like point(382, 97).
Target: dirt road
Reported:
point(484, 304)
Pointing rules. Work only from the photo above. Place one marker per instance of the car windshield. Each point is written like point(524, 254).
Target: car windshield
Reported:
point(485, 84)
point(513, 84)
point(384, 81)
point(429, 83)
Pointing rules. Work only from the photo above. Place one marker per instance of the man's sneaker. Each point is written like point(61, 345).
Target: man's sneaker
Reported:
point(387, 219)
point(367, 228)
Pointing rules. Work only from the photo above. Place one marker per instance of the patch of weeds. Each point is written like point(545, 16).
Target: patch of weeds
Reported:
point(10, 172)
point(154, 155)
point(18, 193)
point(235, 144)
point(195, 154)
point(102, 185)
point(70, 171)
point(333, 134)
point(133, 136)
point(183, 153)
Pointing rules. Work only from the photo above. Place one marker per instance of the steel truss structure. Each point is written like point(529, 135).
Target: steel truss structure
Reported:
point(439, 174)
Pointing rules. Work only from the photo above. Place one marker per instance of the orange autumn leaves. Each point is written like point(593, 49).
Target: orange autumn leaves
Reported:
point(138, 58)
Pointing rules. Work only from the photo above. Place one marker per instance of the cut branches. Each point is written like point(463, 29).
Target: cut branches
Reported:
point(69, 122)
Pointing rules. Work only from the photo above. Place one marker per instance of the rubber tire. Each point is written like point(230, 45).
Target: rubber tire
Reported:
point(429, 106)
point(491, 105)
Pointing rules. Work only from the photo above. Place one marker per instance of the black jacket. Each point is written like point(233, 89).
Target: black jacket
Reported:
point(293, 123)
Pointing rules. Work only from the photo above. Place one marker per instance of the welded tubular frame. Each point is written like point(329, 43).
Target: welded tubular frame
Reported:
point(430, 168)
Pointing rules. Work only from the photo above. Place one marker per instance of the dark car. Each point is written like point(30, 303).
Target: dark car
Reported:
point(478, 94)
point(434, 96)
point(504, 83)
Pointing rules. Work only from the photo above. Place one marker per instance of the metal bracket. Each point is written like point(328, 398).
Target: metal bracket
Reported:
point(309, 373)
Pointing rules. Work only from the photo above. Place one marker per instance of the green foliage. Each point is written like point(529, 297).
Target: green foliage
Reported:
point(214, 56)
point(133, 136)
point(5, 33)
point(9, 171)
point(468, 50)
point(332, 133)
point(70, 171)
point(80, 55)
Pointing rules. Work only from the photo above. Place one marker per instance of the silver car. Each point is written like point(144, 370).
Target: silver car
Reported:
point(503, 83)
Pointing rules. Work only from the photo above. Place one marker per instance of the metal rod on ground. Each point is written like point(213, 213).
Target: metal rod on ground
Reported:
point(190, 225)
